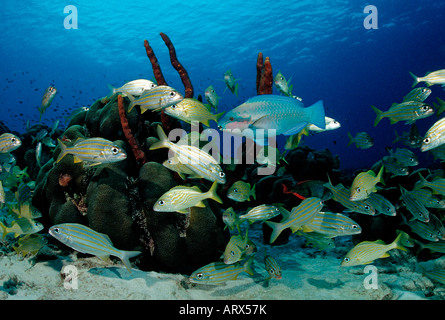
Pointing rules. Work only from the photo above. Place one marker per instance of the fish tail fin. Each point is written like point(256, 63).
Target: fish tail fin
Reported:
point(397, 138)
point(132, 102)
point(248, 266)
point(4, 230)
point(218, 116)
point(397, 243)
point(212, 192)
point(236, 89)
point(290, 89)
point(276, 230)
point(112, 90)
point(416, 79)
point(379, 115)
point(163, 141)
point(351, 139)
point(317, 114)
point(252, 192)
point(63, 151)
point(380, 175)
point(125, 257)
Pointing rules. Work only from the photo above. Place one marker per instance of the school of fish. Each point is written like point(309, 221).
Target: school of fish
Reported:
point(283, 114)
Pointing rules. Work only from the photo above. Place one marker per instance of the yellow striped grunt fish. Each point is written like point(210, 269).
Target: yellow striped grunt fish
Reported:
point(217, 273)
point(9, 142)
point(260, 213)
point(362, 140)
point(21, 226)
point(367, 251)
point(408, 111)
point(135, 87)
point(365, 183)
point(431, 78)
point(84, 239)
point(180, 198)
point(199, 161)
point(437, 185)
point(426, 197)
point(235, 248)
point(435, 136)
point(417, 94)
point(341, 194)
point(299, 216)
point(414, 206)
point(381, 204)
point(272, 267)
point(241, 191)
point(94, 151)
point(155, 99)
point(332, 225)
point(189, 110)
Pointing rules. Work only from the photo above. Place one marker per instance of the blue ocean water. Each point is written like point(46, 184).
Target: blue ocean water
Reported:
point(322, 45)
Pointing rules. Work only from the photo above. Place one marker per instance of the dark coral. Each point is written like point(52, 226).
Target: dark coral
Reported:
point(117, 198)
point(264, 79)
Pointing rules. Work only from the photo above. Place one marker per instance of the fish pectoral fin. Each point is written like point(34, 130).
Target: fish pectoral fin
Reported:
point(105, 258)
point(200, 204)
point(385, 255)
point(261, 123)
point(295, 129)
point(77, 159)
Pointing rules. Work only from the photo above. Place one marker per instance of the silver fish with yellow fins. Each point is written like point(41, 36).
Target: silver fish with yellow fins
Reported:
point(180, 198)
point(261, 213)
point(21, 226)
point(365, 183)
point(272, 267)
point(93, 151)
point(9, 142)
point(86, 240)
point(431, 78)
point(408, 111)
point(217, 273)
point(367, 251)
point(299, 216)
point(155, 99)
point(417, 94)
point(199, 161)
point(362, 140)
point(47, 98)
point(435, 136)
point(189, 110)
point(134, 87)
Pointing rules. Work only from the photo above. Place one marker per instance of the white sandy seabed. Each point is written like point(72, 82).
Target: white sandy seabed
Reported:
point(308, 274)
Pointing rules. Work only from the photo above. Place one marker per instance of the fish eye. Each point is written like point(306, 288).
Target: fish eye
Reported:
point(199, 276)
point(232, 253)
point(424, 90)
point(346, 259)
point(358, 190)
point(173, 106)
point(367, 207)
point(425, 108)
point(271, 271)
point(115, 150)
point(354, 226)
point(231, 119)
point(426, 140)
point(235, 190)
point(247, 246)
point(56, 230)
point(222, 174)
point(172, 93)
point(161, 202)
